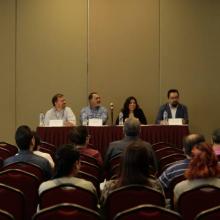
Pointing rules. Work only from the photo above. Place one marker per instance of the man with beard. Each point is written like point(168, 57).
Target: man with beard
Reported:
point(172, 109)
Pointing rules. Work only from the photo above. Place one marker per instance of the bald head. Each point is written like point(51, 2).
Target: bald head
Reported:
point(132, 127)
point(190, 141)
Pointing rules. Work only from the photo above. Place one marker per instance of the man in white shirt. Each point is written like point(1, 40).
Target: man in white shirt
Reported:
point(60, 112)
point(172, 109)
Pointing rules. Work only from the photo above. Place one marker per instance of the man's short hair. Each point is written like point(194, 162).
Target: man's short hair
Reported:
point(78, 135)
point(171, 91)
point(190, 141)
point(216, 136)
point(132, 127)
point(91, 95)
point(23, 137)
point(55, 97)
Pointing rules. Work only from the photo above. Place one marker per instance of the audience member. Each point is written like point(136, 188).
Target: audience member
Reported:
point(216, 142)
point(135, 169)
point(179, 167)
point(67, 165)
point(79, 136)
point(203, 170)
point(24, 140)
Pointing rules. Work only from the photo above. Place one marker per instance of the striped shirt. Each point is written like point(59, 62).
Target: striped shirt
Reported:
point(173, 171)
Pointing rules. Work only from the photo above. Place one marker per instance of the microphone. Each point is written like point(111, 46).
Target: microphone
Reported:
point(112, 112)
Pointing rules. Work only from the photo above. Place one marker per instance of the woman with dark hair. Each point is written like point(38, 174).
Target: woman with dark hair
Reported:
point(203, 169)
point(67, 165)
point(135, 169)
point(131, 108)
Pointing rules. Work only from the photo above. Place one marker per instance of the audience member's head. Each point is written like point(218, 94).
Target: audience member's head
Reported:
point(204, 163)
point(135, 168)
point(36, 140)
point(67, 161)
point(216, 136)
point(79, 135)
point(190, 141)
point(132, 127)
point(23, 137)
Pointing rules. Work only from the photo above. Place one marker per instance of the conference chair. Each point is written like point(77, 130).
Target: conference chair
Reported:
point(209, 214)
point(69, 193)
point(26, 182)
point(114, 166)
point(66, 211)
point(11, 148)
point(4, 215)
point(194, 201)
point(160, 145)
point(88, 159)
point(148, 212)
point(91, 169)
point(129, 196)
point(29, 167)
point(4, 153)
point(13, 201)
point(166, 151)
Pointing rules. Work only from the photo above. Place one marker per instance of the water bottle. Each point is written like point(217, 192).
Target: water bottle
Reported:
point(41, 120)
point(165, 117)
point(120, 118)
point(84, 119)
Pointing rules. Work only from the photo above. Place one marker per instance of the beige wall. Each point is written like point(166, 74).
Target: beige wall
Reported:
point(135, 47)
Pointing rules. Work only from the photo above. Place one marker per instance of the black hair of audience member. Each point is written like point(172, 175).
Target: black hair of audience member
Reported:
point(23, 137)
point(78, 135)
point(190, 141)
point(135, 165)
point(37, 140)
point(216, 136)
point(65, 159)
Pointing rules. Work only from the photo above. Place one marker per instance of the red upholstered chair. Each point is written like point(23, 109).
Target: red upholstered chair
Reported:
point(29, 167)
point(129, 196)
point(11, 148)
point(94, 180)
point(160, 145)
point(114, 167)
point(68, 193)
point(209, 214)
point(87, 158)
point(48, 151)
point(49, 146)
point(91, 169)
point(148, 212)
point(26, 182)
point(4, 153)
point(192, 202)
point(4, 215)
point(66, 211)
point(166, 151)
point(12, 200)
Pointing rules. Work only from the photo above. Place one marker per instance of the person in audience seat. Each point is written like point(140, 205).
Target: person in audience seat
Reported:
point(79, 136)
point(24, 140)
point(179, 167)
point(67, 165)
point(216, 142)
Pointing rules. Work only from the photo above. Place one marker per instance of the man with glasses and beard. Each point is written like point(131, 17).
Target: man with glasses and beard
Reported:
point(172, 109)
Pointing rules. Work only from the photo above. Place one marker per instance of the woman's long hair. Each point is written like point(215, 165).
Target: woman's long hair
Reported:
point(125, 108)
point(65, 158)
point(135, 165)
point(204, 163)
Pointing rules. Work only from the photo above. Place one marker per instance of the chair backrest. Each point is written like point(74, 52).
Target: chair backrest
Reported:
point(209, 214)
point(11, 148)
point(66, 211)
point(4, 153)
point(26, 182)
point(202, 198)
point(68, 193)
point(88, 158)
point(12, 200)
point(94, 180)
point(160, 145)
point(29, 167)
point(129, 196)
point(48, 151)
point(166, 151)
point(114, 166)
point(4, 215)
point(90, 168)
point(49, 146)
point(148, 212)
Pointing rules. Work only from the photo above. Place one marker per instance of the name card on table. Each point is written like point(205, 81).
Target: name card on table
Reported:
point(175, 121)
point(56, 123)
point(95, 122)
